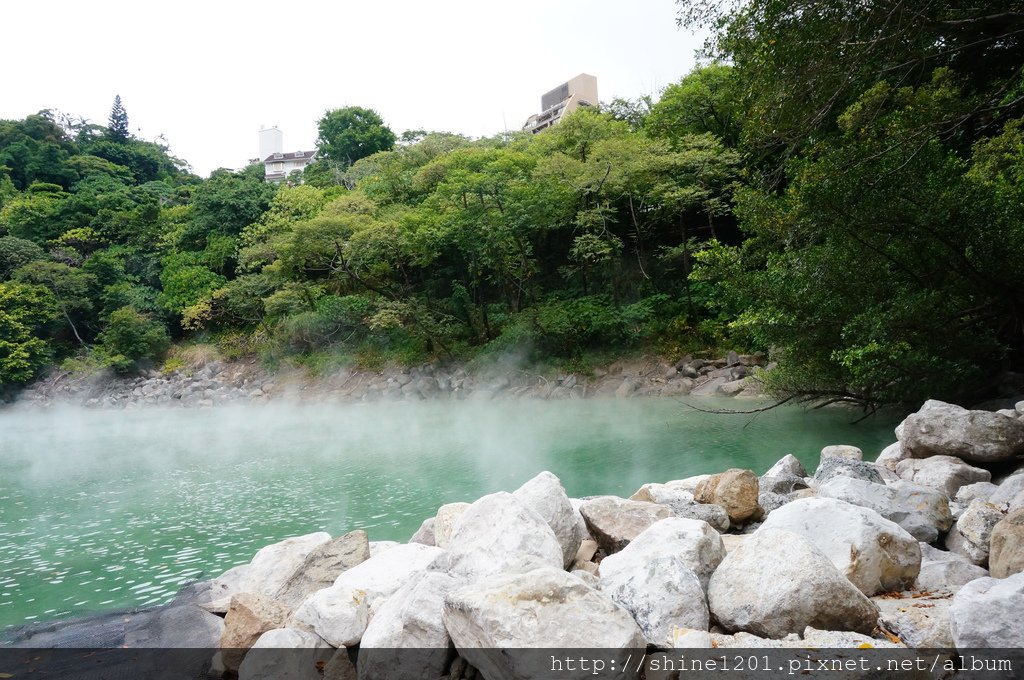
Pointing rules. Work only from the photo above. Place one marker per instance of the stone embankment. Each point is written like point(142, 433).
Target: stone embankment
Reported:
point(218, 383)
point(922, 548)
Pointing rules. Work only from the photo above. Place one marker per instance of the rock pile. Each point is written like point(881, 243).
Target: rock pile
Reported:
point(854, 554)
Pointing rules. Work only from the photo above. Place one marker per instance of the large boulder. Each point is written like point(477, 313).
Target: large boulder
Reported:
point(987, 613)
point(218, 596)
point(176, 626)
point(1009, 489)
point(971, 534)
point(285, 654)
point(544, 608)
point(944, 571)
point(444, 522)
point(877, 555)
point(498, 534)
point(275, 564)
point(425, 534)
point(338, 614)
point(777, 583)
point(614, 522)
point(942, 473)
point(249, 616)
point(830, 468)
point(406, 639)
point(920, 621)
point(545, 495)
point(787, 465)
point(891, 456)
point(662, 594)
point(1007, 547)
point(921, 511)
point(696, 543)
point(941, 429)
point(735, 490)
point(383, 574)
point(323, 565)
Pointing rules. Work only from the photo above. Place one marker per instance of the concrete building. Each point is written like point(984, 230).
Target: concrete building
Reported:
point(566, 98)
point(277, 164)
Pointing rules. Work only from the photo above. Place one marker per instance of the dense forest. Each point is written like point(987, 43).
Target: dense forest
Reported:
point(838, 184)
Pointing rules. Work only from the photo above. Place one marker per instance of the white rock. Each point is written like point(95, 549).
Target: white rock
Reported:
point(942, 473)
point(919, 621)
point(987, 613)
point(444, 522)
point(498, 534)
point(273, 565)
point(545, 495)
point(338, 614)
point(891, 455)
point(778, 583)
point(381, 575)
point(544, 608)
point(218, 598)
point(921, 511)
point(944, 571)
point(581, 524)
point(305, 649)
point(676, 497)
point(696, 543)
point(980, 490)
point(614, 522)
point(843, 451)
point(1009, 489)
point(787, 465)
point(939, 428)
point(972, 533)
point(406, 638)
point(379, 547)
point(661, 594)
point(689, 638)
point(877, 555)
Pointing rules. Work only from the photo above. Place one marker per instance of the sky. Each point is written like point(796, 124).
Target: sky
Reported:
point(208, 75)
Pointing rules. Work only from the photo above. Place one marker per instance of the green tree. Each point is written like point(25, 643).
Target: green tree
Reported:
point(117, 123)
point(351, 133)
point(25, 311)
point(131, 337)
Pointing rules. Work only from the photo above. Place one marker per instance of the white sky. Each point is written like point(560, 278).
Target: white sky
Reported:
point(208, 74)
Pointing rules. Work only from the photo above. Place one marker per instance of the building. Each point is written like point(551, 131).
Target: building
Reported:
point(278, 165)
point(566, 98)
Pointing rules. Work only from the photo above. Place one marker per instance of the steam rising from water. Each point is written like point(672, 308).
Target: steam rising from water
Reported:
point(104, 509)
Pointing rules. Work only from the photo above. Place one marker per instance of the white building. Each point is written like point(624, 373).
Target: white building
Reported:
point(278, 165)
point(564, 99)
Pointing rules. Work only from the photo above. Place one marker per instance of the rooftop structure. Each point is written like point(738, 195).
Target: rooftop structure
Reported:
point(566, 98)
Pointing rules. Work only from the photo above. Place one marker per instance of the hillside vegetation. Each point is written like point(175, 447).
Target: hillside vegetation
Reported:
point(846, 194)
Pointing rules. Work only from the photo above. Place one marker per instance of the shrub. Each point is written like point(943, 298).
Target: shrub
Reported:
point(130, 337)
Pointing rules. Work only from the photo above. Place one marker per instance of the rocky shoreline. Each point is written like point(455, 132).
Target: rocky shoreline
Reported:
point(921, 549)
point(216, 383)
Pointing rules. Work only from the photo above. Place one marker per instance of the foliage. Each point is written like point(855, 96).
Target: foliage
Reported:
point(117, 124)
point(25, 310)
point(130, 337)
point(351, 133)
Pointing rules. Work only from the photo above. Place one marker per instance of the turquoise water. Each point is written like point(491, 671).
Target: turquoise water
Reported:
point(112, 509)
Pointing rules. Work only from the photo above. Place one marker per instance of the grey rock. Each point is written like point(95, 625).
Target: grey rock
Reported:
point(942, 473)
point(939, 428)
point(323, 565)
point(1007, 546)
point(830, 468)
point(381, 575)
point(777, 583)
point(425, 534)
point(877, 555)
point(944, 571)
point(695, 543)
point(921, 511)
point(498, 534)
point(447, 515)
point(971, 534)
point(921, 622)
point(545, 495)
point(843, 451)
point(546, 607)
point(614, 522)
point(986, 613)
point(788, 465)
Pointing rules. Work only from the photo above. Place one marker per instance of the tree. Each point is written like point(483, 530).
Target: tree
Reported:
point(24, 312)
point(351, 133)
point(117, 127)
point(130, 337)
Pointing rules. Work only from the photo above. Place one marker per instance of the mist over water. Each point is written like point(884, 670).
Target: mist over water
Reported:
point(112, 509)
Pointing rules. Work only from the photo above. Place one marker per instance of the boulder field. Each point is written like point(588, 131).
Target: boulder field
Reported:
point(919, 549)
